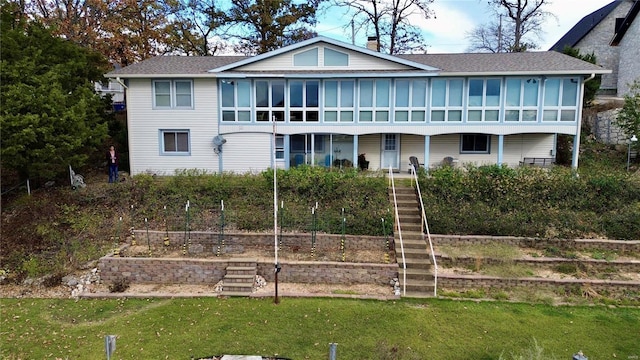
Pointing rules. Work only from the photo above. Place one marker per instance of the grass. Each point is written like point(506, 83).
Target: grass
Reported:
point(494, 251)
point(303, 328)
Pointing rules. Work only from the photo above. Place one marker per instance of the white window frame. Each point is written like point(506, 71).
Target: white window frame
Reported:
point(411, 108)
point(304, 108)
point(163, 147)
point(236, 109)
point(483, 107)
point(172, 93)
point(520, 107)
point(559, 109)
point(447, 108)
point(339, 108)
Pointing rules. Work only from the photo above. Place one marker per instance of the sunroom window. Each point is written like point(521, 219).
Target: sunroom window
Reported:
point(446, 100)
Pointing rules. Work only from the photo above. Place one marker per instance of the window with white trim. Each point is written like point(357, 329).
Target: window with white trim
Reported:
point(446, 100)
point(374, 100)
point(269, 100)
point(174, 142)
point(560, 99)
point(236, 100)
point(475, 144)
point(338, 100)
point(521, 100)
point(483, 100)
point(335, 58)
point(410, 103)
point(304, 100)
point(279, 148)
point(306, 58)
point(171, 94)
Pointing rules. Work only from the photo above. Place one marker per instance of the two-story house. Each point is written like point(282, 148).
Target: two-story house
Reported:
point(323, 102)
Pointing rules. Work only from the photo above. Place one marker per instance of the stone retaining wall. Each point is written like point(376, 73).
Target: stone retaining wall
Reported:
point(207, 271)
point(202, 241)
point(323, 272)
point(466, 282)
point(632, 266)
point(619, 246)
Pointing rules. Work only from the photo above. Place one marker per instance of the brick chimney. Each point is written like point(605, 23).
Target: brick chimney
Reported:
point(372, 43)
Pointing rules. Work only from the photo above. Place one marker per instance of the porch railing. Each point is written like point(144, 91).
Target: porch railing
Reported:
point(425, 228)
point(395, 207)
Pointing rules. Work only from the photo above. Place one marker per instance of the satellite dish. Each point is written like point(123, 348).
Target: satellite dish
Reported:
point(218, 141)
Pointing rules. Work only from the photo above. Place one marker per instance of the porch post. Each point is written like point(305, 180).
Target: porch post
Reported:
point(500, 149)
point(355, 151)
point(576, 150)
point(427, 151)
point(287, 157)
point(313, 148)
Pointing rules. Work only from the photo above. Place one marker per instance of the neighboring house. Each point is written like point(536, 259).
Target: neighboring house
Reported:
point(332, 101)
point(113, 88)
point(612, 33)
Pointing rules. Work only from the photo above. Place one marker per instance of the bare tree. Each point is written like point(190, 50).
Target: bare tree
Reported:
point(493, 37)
point(389, 21)
point(526, 17)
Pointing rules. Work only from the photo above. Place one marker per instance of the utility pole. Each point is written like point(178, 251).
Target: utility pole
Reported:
point(353, 33)
point(500, 35)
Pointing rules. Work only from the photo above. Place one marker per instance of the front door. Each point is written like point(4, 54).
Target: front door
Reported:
point(390, 153)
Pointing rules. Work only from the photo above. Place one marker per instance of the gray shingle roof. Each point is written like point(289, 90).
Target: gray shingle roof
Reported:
point(504, 63)
point(584, 26)
point(549, 62)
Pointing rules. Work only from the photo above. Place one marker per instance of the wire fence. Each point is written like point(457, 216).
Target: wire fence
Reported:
point(18, 187)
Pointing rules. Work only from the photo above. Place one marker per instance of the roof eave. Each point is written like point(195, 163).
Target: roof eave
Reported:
point(525, 73)
point(153, 76)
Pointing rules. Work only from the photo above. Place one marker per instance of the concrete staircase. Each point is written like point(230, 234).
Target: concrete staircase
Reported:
point(420, 279)
point(240, 277)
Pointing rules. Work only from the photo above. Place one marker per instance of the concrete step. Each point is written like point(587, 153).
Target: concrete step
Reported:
point(409, 211)
point(410, 227)
point(412, 235)
point(235, 293)
point(417, 274)
point(238, 287)
point(418, 294)
point(419, 286)
point(403, 190)
point(412, 243)
point(416, 253)
point(241, 270)
point(414, 263)
point(235, 279)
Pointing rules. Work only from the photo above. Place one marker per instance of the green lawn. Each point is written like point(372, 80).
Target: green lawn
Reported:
point(303, 329)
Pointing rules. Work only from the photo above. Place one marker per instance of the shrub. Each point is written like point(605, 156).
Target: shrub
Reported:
point(119, 285)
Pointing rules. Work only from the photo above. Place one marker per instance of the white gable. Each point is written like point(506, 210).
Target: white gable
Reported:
point(355, 61)
point(330, 54)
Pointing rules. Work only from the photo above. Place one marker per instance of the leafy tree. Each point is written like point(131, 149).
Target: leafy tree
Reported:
point(50, 115)
point(265, 25)
point(590, 87)
point(523, 19)
point(124, 31)
point(629, 116)
point(389, 21)
point(193, 26)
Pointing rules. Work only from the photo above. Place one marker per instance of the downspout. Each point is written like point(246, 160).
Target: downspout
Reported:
point(576, 142)
point(121, 83)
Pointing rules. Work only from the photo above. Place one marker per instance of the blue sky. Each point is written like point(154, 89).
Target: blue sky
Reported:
point(446, 33)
